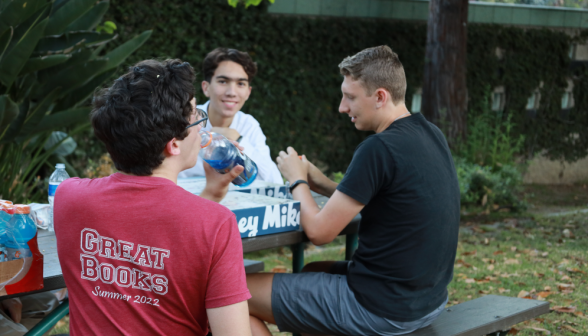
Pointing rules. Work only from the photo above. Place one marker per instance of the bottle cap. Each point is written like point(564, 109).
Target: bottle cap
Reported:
point(60, 166)
point(22, 209)
point(205, 134)
point(8, 208)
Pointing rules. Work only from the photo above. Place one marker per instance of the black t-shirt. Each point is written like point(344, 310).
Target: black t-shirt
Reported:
point(406, 178)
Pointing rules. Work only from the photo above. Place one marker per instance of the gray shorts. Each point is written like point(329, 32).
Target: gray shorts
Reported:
point(321, 303)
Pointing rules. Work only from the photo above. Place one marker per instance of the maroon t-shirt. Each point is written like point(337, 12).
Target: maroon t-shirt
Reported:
point(141, 255)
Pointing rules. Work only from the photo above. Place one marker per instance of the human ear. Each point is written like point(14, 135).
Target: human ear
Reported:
point(382, 97)
point(205, 85)
point(249, 93)
point(172, 147)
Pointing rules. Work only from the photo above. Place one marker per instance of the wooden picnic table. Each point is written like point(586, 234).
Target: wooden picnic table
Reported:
point(53, 277)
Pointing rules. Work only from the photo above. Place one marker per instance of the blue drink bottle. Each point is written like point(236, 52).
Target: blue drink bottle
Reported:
point(21, 229)
point(222, 155)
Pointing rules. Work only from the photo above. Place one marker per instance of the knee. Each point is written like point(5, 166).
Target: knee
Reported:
point(318, 266)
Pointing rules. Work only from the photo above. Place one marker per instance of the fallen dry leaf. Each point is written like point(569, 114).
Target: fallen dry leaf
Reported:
point(575, 331)
point(544, 331)
point(523, 294)
point(513, 248)
point(544, 254)
point(544, 294)
point(547, 288)
point(463, 263)
point(513, 331)
point(483, 292)
point(565, 278)
point(562, 309)
point(502, 290)
point(498, 252)
point(562, 286)
point(490, 267)
point(511, 262)
point(469, 253)
point(469, 281)
point(575, 270)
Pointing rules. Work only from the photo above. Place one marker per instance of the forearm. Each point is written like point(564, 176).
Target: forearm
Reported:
point(326, 187)
point(309, 212)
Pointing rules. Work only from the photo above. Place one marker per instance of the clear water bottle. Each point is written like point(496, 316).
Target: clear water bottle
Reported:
point(5, 209)
point(58, 176)
point(222, 155)
point(21, 229)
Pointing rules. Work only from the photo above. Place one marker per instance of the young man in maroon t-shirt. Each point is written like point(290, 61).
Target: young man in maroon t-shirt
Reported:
point(140, 255)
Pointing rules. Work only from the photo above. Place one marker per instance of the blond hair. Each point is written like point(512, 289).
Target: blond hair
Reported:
point(377, 67)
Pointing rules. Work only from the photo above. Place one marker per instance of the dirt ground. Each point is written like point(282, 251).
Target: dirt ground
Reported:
point(546, 198)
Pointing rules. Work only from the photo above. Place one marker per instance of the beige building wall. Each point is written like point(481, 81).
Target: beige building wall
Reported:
point(544, 171)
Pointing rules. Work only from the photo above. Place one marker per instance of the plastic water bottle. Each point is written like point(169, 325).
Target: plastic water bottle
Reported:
point(21, 229)
point(5, 217)
point(222, 155)
point(58, 176)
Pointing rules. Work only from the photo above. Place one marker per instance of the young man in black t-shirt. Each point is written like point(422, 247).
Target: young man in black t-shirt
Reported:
point(403, 181)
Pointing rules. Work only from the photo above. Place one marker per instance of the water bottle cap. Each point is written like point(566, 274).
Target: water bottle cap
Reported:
point(60, 166)
point(8, 208)
point(209, 139)
point(22, 209)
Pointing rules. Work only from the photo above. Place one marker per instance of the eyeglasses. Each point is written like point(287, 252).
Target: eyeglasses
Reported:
point(203, 118)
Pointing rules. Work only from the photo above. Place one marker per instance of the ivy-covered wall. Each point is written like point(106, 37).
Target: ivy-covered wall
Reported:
point(297, 91)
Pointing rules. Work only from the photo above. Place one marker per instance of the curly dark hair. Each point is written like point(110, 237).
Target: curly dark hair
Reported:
point(142, 111)
point(218, 55)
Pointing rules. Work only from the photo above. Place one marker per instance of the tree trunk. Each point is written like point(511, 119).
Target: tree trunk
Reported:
point(444, 89)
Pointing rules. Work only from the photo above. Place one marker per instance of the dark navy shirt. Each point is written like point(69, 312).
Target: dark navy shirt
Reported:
point(408, 234)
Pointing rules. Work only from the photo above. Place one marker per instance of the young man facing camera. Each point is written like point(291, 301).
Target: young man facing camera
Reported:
point(403, 181)
point(227, 83)
point(140, 255)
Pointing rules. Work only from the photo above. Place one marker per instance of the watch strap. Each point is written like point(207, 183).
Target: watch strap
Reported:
point(239, 139)
point(297, 183)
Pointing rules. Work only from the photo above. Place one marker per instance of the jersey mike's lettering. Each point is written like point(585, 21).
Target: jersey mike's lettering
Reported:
point(93, 245)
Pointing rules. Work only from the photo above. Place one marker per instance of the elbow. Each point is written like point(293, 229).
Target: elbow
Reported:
point(319, 238)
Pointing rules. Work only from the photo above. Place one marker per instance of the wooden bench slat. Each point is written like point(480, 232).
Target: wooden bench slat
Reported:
point(483, 316)
point(253, 266)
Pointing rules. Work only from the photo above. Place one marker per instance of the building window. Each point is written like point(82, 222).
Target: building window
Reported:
point(533, 101)
point(416, 101)
point(572, 52)
point(497, 101)
point(566, 101)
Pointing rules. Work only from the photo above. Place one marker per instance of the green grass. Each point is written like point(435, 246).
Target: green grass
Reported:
point(525, 257)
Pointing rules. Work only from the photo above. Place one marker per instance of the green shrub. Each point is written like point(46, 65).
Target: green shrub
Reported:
point(51, 61)
point(491, 141)
point(491, 189)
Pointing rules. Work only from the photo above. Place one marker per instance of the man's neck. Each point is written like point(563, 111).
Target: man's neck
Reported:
point(166, 173)
point(390, 115)
point(216, 119)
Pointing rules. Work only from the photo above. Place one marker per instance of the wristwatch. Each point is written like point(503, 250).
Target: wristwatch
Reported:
point(239, 138)
point(297, 183)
